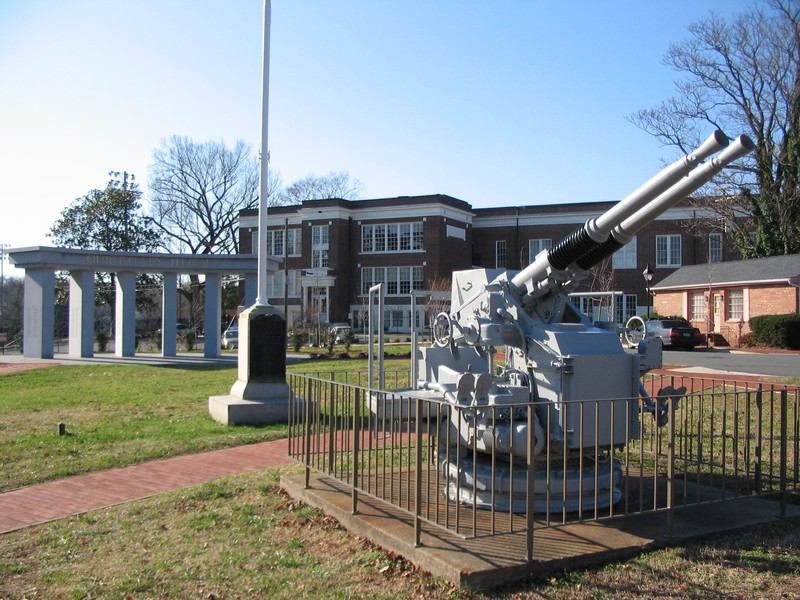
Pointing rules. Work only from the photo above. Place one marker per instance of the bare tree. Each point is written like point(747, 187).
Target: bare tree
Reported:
point(312, 187)
point(743, 75)
point(197, 191)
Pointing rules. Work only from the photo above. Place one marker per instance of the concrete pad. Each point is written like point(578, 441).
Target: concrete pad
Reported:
point(488, 561)
point(230, 410)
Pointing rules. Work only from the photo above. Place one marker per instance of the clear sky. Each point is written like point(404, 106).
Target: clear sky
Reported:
point(498, 103)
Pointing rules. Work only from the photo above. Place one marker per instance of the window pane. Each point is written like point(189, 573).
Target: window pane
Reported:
point(367, 244)
point(715, 247)
point(391, 238)
point(417, 233)
point(698, 306)
point(735, 304)
point(380, 238)
point(500, 254)
point(405, 237)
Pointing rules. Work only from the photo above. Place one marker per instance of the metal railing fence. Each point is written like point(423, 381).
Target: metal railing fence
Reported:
point(720, 442)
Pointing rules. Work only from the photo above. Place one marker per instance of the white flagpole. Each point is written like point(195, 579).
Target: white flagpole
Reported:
point(261, 299)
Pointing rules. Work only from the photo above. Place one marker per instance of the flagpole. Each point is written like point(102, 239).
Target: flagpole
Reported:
point(261, 298)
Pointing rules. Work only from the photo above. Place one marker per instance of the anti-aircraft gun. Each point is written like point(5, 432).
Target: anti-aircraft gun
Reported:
point(583, 387)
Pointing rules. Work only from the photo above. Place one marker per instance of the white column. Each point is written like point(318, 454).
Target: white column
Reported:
point(125, 313)
point(81, 314)
point(212, 315)
point(169, 310)
point(39, 313)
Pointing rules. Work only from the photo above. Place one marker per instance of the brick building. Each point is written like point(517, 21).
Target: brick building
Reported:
point(334, 250)
point(722, 298)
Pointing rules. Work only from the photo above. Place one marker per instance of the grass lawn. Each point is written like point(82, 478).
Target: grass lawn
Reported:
point(242, 537)
point(118, 415)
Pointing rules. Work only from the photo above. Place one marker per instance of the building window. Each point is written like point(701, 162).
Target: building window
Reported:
point(735, 305)
point(625, 257)
point(275, 242)
point(294, 245)
point(500, 254)
point(319, 247)
point(391, 237)
point(276, 280)
point(668, 251)
point(625, 308)
point(397, 281)
point(537, 245)
point(416, 237)
point(714, 247)
point(699, 306)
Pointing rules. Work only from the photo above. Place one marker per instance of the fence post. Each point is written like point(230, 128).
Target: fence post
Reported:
point(784, 455)
point(356, 447)
point(307, 441)
point(530, 492)
point(332, 425)
point(670, 464)
point(759, 434)
point(418, 476)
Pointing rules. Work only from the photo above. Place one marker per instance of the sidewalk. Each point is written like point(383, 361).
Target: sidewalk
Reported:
point(45, 502)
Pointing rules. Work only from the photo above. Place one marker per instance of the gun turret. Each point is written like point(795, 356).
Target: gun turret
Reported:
point(601, 236)
point(568, 392)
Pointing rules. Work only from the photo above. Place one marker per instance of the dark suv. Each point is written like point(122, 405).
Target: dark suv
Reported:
point(675, 333)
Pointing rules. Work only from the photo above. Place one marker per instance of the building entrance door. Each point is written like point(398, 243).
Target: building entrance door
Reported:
point(717, 313)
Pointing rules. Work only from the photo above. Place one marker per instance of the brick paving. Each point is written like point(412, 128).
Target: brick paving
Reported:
point(13, 367)
point(53, 500)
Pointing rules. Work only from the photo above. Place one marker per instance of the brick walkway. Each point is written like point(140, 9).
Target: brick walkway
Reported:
point(37, 504)
point(9, 367)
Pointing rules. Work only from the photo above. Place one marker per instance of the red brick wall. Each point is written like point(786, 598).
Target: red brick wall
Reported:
point(759, 301)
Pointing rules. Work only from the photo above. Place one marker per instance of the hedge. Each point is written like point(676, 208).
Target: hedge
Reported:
point(777, 331)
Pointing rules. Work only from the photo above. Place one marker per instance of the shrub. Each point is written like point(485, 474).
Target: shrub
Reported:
point(102, 341)
point(187, 339)
point(777, 331)
point(347, 339)
point(295, 340)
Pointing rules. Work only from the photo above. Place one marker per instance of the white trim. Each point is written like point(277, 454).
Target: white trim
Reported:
point(706, 285)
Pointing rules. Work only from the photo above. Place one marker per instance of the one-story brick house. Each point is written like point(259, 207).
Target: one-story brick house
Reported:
point(721, 298)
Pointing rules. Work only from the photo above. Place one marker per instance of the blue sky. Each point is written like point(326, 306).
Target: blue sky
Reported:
point(498, 103)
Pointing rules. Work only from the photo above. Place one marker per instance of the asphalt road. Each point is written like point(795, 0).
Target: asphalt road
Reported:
point(776, 364)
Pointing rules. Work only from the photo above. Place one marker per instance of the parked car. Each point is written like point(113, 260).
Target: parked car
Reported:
point(230, 339)
point(338, 333)
point(675, 333)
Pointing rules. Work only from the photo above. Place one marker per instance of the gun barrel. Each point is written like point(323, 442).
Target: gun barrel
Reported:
point(596, 231)
point(624, 232)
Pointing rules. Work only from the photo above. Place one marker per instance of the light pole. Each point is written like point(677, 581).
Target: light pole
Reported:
point(648, 277)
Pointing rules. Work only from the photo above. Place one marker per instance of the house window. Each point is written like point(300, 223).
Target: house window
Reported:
point(537, 245)
point(625, 257)
point(714, 247)
point(500, 254)
point(668, 251)
point(735, 305)
point(699, 310)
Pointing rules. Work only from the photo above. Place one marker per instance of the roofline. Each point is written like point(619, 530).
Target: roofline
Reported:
point(717, 284)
